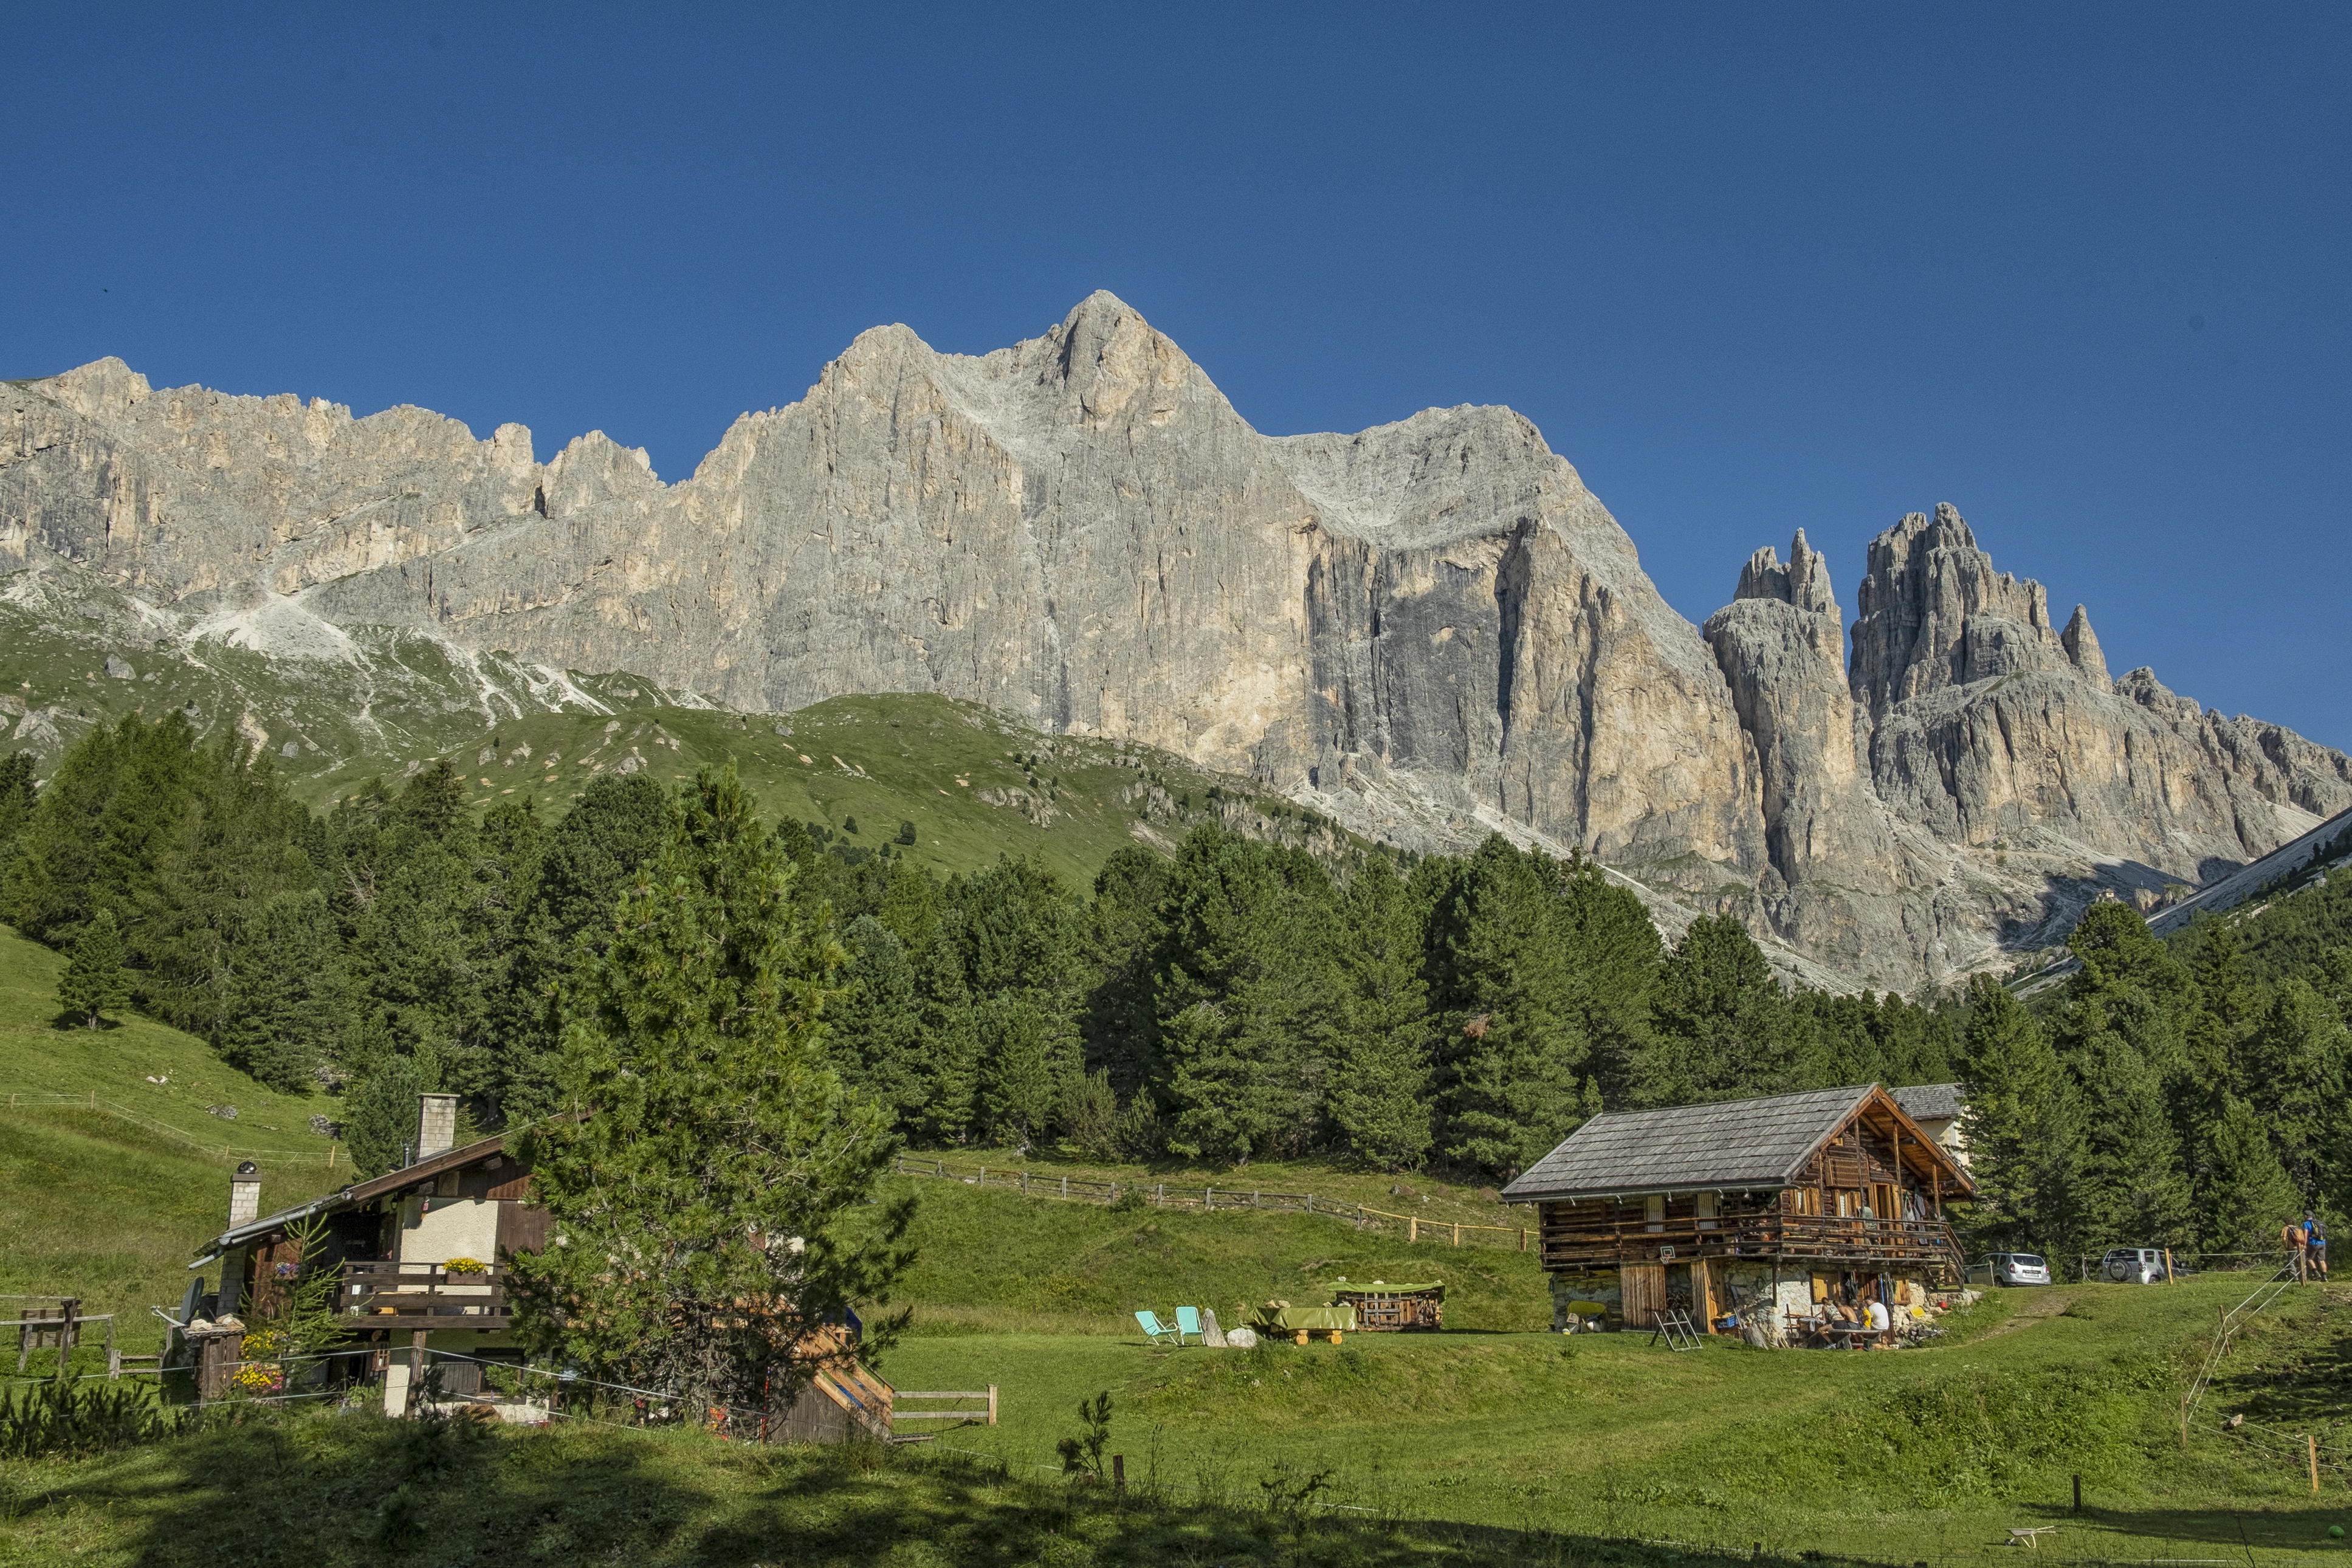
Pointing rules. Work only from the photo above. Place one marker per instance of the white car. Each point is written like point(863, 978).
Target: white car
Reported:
point(2133, 1266)
point(2018, 1269)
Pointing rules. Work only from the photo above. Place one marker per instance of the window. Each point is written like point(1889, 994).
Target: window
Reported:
point(1654, 1212)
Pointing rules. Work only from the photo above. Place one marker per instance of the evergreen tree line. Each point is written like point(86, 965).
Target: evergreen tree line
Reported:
point(2186, 1093)
point(1235, 1001)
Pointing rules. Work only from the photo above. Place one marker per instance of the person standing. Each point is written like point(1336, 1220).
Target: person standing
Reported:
point(2315, 1246)
point(2296, 1242)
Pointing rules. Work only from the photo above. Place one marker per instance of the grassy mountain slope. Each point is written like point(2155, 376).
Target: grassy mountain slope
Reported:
point(974, 783)
point(106, 1198)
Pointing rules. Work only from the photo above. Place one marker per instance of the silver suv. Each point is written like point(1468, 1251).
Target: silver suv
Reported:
point(2133, 1266)
point(2018, 1269)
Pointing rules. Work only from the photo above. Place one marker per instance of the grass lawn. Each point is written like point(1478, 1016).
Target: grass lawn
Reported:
point(1918, 1455)
point(1457, 1448)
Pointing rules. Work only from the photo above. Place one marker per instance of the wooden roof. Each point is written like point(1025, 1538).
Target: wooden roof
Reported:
point(368, 1190)
point(1732, 1145)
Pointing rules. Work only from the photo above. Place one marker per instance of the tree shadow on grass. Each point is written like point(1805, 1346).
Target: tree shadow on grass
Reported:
point(322, 1491)
point(2275, 1524)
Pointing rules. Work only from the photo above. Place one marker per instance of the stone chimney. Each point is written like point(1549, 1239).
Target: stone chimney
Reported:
point(437, 1124)
point(245, 1195)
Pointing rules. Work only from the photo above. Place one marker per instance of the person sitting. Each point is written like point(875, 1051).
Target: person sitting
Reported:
point(1879, 1321)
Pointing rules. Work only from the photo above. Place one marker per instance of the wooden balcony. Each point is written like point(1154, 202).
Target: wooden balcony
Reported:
point(425, 1296)
point(1809, 1238)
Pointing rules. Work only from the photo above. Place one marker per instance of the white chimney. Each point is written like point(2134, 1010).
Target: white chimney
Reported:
point(245, 1195)
point(437, 1125)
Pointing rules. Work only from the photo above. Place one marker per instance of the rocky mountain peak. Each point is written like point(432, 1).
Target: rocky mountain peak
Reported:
point(1430, 629)
point(1934, 614)
point(1804, 582)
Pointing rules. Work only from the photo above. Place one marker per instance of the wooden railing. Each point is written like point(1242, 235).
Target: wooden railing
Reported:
point(1822, 1237)
point(389, 1295)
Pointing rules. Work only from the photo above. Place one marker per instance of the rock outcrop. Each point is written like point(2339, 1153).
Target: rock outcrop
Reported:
point(1431, 628)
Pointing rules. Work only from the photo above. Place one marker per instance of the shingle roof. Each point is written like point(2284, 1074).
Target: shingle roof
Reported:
point(1928, 1102)
point(1728, 1144)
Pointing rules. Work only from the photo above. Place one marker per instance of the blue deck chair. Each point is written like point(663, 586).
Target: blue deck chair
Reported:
point(1188, 1321)
point(1159, 1333)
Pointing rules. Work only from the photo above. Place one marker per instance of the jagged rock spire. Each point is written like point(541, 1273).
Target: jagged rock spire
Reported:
point(2082, 646)
point(1804, 582)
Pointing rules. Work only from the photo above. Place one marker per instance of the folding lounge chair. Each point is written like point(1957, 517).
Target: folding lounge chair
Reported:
point(1188, 1321)
point(1159, 1333)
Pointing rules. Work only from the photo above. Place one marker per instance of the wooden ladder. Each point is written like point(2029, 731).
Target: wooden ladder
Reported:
point(1674, 1325)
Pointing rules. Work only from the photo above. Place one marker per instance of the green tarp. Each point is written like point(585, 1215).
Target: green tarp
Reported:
point(1363, 1289)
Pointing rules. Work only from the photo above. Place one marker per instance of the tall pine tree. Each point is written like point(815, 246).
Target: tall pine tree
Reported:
point(702, 1202)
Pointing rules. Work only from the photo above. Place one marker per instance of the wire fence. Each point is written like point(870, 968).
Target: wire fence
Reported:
point(12, 1099)
point(1211, 1198)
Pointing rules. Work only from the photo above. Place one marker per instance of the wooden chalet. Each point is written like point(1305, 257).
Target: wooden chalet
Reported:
point(1765, 1207)
point(424, 1255)
point(423, 1252)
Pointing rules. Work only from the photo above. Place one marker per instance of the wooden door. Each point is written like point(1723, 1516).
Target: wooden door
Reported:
point(1643, 1286)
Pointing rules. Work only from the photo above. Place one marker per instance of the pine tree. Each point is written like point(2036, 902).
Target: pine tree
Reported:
point(286, 1007)
point(1124, 931)
point(564, 919)
point(1380, 1031)
point(1721, 1027)
point(1242, 976)
point(2245, 1198)
point(95, 981)
point(2131, 1188)
point(701, 1202)
point(872, 1026)
point(238, 845)
point(18, 798)
point(1020, 1080)
point(1613, 946)
point(1513, 1072)
point(98, 827)
point(380, 1110)
point(947, 1048)
point(2011, 1077)
point(2296, 1060)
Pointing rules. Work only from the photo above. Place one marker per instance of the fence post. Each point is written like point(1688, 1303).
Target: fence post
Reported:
point(2311, 1446)
point(113, 1357)
point(1411, 1228)
point(1065, 1187)
point(1207, 1197)
point(1457, 1233)
point(1359, 1217)
point(991, 1404)
point(1024, 1183)
point(1523, 1238)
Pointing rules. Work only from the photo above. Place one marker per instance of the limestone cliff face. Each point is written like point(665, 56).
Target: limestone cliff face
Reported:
point(1431, 628)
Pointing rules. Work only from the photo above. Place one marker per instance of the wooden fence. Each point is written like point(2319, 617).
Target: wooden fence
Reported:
point(1209, 1197)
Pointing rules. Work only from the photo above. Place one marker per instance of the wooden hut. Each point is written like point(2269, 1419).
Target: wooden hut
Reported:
point(423, 1251)
point(1765, 1207)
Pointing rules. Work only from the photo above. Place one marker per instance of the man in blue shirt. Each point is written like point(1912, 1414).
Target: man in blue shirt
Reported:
point(2315, 1245)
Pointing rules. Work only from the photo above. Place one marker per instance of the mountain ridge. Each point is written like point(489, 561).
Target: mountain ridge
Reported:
point(1428, 629)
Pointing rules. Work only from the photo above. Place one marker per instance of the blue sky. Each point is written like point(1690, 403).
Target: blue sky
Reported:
point(2084, 271)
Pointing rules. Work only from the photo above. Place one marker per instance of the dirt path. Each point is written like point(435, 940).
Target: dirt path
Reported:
point(2045, 1303)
